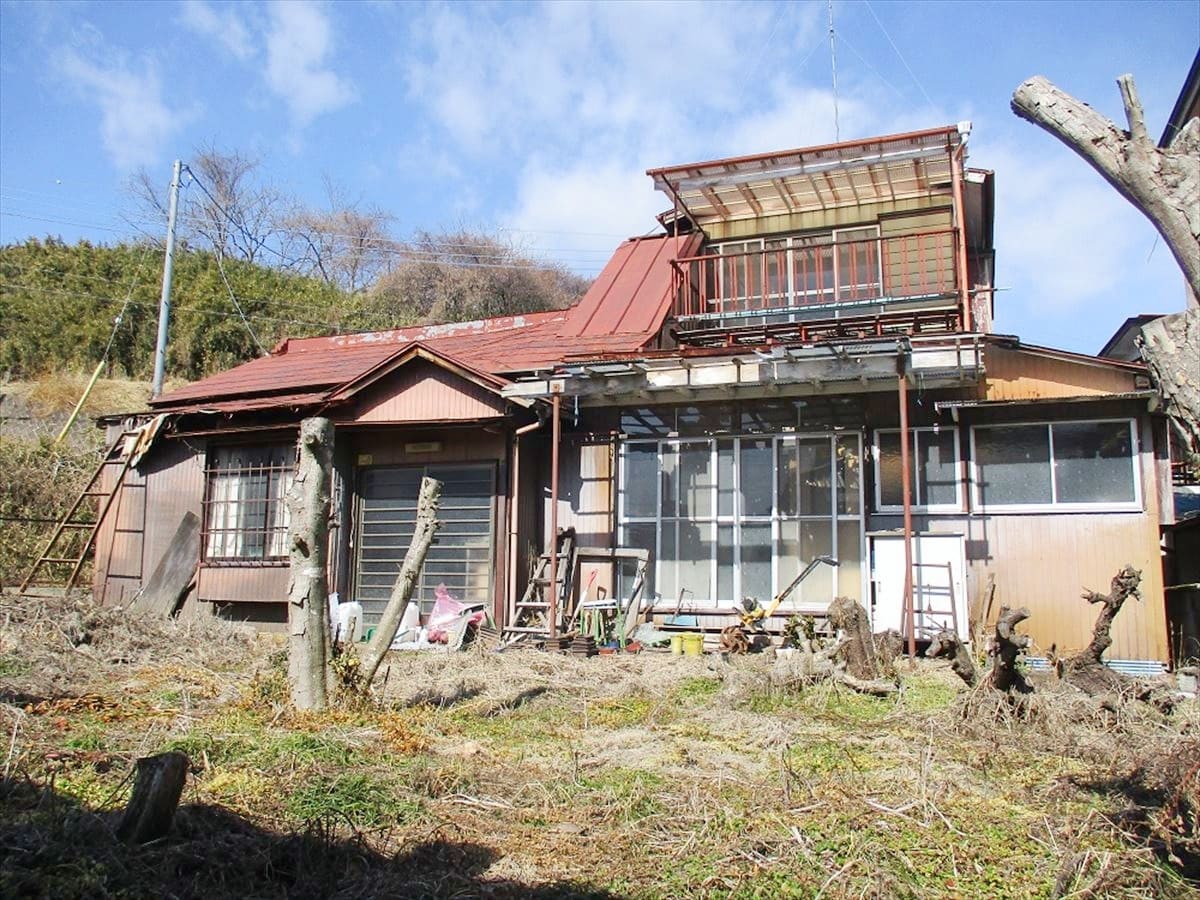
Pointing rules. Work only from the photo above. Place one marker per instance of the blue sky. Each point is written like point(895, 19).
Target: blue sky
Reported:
point(542, 118)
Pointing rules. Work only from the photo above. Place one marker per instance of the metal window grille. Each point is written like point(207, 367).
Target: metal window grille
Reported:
point(245, 516)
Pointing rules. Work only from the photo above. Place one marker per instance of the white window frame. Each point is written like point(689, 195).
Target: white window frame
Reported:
point(774, 519)
point(959, 495)
point(1134, 505)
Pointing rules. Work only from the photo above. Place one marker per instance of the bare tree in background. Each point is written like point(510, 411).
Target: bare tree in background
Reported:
point(241, 218)
point(347, 245)
point(458, 275)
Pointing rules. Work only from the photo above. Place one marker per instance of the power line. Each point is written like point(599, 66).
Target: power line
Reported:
point(900, 55)
point(837, 127)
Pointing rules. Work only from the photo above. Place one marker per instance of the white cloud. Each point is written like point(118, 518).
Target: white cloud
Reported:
point(135, 120)
point(298, 41)
point(223, 26)
point(577, 213)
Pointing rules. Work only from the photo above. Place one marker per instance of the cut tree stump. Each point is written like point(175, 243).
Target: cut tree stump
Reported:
point(858, 649)
point(1086, 670)
point(308, 542)
point(157, 788)
point(1005, 647)
point(946, 644)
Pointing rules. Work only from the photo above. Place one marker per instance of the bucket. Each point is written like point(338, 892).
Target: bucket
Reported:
point(677, 645)
point(693, 644)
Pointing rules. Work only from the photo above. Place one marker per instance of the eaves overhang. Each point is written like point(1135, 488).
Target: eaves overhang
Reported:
point(843, 367)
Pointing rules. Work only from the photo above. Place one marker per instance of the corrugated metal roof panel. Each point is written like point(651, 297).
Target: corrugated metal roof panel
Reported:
point(632, 295)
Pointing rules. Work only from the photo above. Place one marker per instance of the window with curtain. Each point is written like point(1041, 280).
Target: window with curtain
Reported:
point(245, 516)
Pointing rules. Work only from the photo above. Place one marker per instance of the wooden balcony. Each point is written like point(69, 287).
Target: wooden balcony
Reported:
point(809, 281)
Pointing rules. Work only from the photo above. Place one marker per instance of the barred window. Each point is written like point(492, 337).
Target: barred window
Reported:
point(245, 516)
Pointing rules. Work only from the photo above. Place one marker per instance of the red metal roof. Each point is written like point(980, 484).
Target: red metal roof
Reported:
point(623, 311)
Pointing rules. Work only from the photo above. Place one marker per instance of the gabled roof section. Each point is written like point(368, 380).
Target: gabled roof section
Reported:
point(850, 173)
point(405, 356)
point(632, 295)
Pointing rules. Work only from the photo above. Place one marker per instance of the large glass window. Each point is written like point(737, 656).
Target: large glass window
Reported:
point(934, 469)
point(245, 516)
point(1056, 464)
point(735, 516)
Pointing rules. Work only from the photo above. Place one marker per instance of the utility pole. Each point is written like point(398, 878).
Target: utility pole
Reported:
point(164, 305)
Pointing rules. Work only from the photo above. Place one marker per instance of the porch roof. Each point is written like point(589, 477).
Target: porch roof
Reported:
point(850, 173)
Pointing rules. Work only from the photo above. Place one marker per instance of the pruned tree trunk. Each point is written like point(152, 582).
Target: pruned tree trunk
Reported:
point(858, 650)
point(1005, 647)
point(426, 527)
point(1170, 346)
point(157, 788)
point(948, 645)
point(1086, 669)
point(1164, 183)
point(308, 542)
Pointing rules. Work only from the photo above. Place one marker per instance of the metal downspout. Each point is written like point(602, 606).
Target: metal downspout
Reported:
point(956, 177)
point(906, 488)
point(555, 436)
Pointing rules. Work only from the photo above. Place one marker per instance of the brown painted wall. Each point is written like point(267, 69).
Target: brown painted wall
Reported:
point(1016, 375)
point(421, 392)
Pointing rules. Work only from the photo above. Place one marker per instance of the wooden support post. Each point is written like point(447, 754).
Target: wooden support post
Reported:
point(308, 546)
point(157, 788)
point(406, 582)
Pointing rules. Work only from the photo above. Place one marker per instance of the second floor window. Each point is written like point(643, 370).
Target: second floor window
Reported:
point(245, 516)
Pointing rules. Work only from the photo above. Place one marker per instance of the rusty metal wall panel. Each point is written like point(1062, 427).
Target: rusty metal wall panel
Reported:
point(168, 483)
point(243, 584)
point(421, 392)
point(1016, 375)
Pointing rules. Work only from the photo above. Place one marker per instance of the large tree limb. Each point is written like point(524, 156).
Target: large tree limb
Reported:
point(1163, 183)
point(308, 549)
point(948, 644)
point(1169, 347)
point(426, 527)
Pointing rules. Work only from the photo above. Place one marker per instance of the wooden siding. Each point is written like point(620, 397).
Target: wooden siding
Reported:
point(1043, 561)
point(422, 392)
point(1027, 375)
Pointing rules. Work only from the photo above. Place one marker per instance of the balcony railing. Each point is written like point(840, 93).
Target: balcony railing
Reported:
point(804, 280)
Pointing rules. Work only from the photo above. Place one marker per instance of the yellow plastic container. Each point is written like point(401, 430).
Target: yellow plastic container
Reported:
point(677, 645)
point(693, 645)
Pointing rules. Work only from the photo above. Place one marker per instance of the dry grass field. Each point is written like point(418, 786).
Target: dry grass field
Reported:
point(525, 774)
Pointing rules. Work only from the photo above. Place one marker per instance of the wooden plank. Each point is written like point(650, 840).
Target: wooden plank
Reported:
point(166, 588)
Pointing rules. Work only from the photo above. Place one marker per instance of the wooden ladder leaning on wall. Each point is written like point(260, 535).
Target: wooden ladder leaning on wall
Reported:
point(118, 454)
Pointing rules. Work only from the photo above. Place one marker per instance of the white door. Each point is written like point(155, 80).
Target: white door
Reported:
point(939, 585)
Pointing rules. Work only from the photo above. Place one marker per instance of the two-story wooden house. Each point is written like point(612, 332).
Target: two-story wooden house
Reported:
point(801, 364)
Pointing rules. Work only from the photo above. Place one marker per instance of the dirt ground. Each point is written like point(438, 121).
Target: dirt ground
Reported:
point(525, 774)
